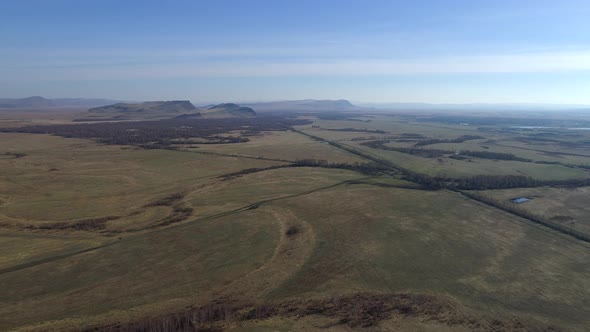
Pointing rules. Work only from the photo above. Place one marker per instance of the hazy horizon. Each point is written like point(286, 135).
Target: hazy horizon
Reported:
point(457, 52)
point(357, 104)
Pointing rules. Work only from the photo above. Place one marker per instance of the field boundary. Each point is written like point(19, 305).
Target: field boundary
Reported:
point(424, 180)
point(527, 215)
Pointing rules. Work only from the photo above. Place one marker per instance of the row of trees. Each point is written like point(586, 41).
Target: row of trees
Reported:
point(479, 182)
point(426, 153)
point(216, 139)
point(357, 130)
point(364, 168)
point(492, 155)
point(436, 153)
point(459, 139)
point(483, 182)
point(426, 181)
point(514, 209)
point(370, 168)
point(385, 137)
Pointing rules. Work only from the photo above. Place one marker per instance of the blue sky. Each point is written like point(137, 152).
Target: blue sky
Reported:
point(450, 51)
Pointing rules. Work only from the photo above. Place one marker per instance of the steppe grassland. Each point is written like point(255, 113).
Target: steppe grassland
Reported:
point(18, 117)
point(362, 238)
point(565, 205)
point(446, 167)
point(62, 179)
point(151, 273)
point(396, 240)
point(350, 237)
point(285, 145)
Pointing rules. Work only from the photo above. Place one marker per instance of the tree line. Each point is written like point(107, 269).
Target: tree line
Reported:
point(459, 139)
point(478, 182)
point(364, 168)
point(157, 134)
point(436, 153)
point(426, 153)
point(483, 182)
point(428, 182)
point(492, 155)
point(357, 130)
point(514, 209)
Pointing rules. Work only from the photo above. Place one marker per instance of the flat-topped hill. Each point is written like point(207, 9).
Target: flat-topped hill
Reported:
point(174, 106)
point(181, 109)
point(228, 110)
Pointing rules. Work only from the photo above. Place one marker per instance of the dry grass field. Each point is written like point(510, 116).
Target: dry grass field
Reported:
point(492, 268)
point(284, 145)
point(446, 167)
point(64, 180)
point(227, 237)
point(564, 205)
point(17, 117)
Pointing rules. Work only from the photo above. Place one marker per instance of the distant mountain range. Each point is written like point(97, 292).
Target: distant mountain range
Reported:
point(165, 109)
point(304, 105)
point(108, 105)
point(174, 106)
point(40, 102)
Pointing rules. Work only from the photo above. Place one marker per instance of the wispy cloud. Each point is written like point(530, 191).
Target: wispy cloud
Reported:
point(183, 67)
